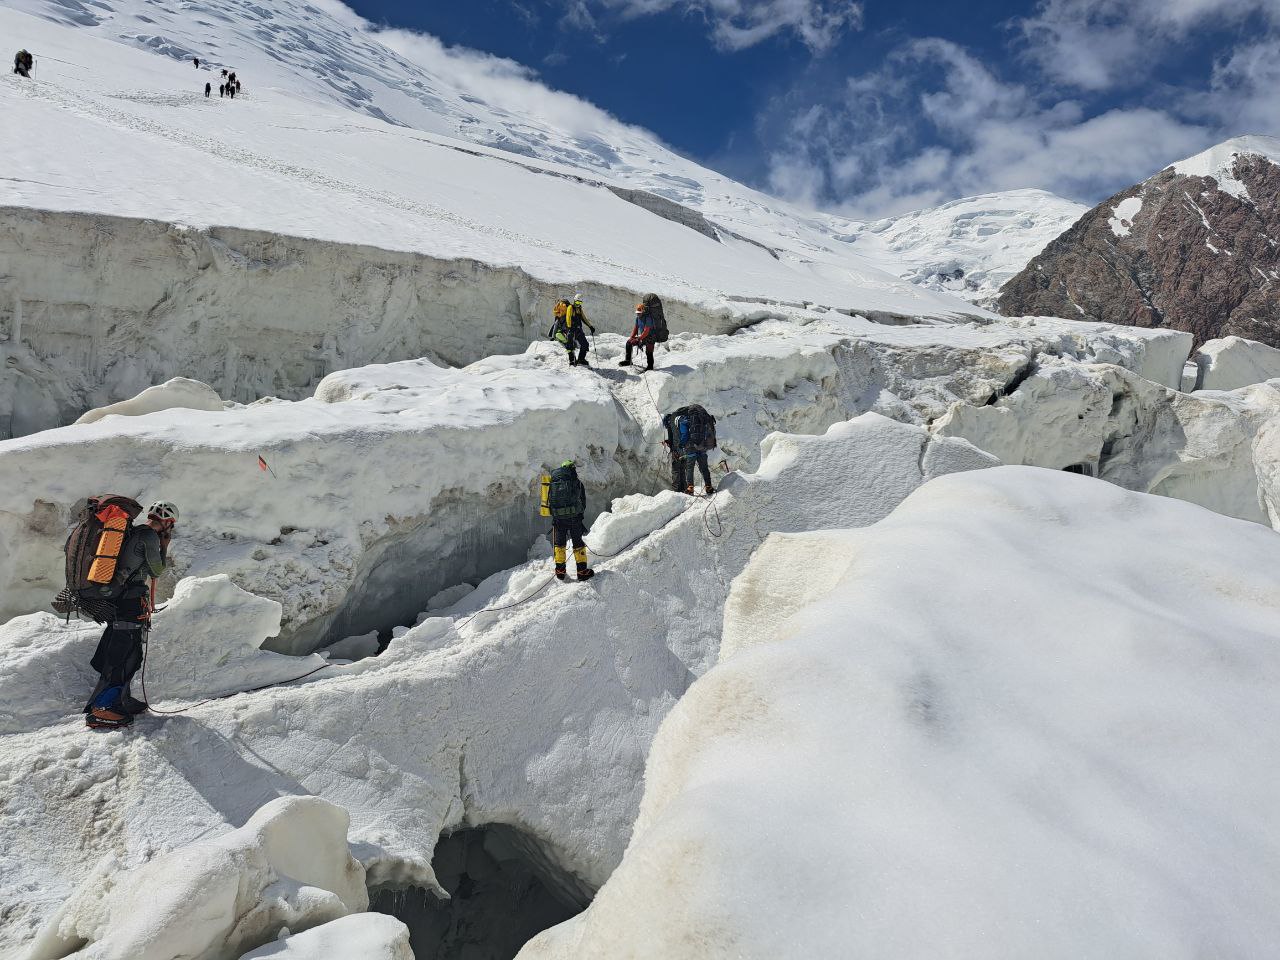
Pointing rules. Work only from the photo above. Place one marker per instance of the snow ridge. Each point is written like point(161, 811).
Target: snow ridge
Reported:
point(1219, 162)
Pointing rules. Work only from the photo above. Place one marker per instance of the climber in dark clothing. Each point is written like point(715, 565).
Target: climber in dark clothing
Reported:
point(569, 329)
point(208, 88)
point(566, 502)
point(690, 434)
point(119, 652)
point(22, 63)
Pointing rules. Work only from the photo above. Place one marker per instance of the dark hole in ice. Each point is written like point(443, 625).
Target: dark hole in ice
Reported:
point(1086, 469)
point(504, 892)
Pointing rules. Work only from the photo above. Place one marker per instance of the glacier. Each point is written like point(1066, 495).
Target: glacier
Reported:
point(969, 651)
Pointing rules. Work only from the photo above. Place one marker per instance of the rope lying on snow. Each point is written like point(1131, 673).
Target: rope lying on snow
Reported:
point(546, 583)
point(223, 696)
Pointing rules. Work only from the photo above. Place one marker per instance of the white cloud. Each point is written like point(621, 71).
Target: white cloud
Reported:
point(1102, 44)
point(738, 24)
point(1243, 92)
point(935, 123)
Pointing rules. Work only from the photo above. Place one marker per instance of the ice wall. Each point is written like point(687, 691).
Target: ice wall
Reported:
point(1234, 362)
point(1210, 448)
point(288, 867)
point(94, 309)
point(416, 477)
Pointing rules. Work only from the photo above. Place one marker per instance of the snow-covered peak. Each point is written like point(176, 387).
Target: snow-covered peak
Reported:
point(970, 247)
point(321, 59)
point(1219, 162)
point(325, 55)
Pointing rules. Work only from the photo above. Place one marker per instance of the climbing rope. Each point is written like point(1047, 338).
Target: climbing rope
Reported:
point(546, 583)
point(711, 505)
point(650, 392)
point(224, 696)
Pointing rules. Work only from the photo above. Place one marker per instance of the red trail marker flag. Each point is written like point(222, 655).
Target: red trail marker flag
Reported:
point(265, 467)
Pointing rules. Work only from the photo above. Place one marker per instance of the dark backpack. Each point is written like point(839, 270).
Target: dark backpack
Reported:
point(699, 426)
point(654, 305)
point(93, 555)
point(565, 495)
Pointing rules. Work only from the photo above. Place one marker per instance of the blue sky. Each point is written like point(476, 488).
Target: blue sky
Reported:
point(879, 107)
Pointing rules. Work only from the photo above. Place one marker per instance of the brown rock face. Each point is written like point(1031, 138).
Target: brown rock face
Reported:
point(1195, 259)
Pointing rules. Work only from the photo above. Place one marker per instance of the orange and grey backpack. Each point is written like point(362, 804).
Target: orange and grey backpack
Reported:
point(93, 553)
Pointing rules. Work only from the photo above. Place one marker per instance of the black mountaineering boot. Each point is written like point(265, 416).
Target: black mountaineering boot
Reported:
point(560, 572)
point(585, 572)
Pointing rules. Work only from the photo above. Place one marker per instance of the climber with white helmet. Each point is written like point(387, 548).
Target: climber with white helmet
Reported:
point(136, 555)
point(567, 329)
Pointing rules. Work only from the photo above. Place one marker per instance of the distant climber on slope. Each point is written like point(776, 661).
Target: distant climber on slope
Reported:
point(22, 63)
point(569, 329)
point(197, 62)
point(691, 434)
point(208, 88)
point(110, 566)
point(564, 500)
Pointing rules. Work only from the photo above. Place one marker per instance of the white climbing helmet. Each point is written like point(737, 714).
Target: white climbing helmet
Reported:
point(163, 510)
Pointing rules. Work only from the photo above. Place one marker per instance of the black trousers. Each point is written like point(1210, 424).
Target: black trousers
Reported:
point(578, 338)
point(682, 470)
point(648, 350)
point(119, 653)
point(562, 531)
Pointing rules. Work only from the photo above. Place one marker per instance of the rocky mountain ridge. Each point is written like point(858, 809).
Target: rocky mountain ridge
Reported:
point(1193, 248)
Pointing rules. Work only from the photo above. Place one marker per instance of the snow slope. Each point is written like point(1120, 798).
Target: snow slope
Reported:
point(282, 162)
point(969, 247)
point(317, 73)
point(1219, 162)
point(1029, 714)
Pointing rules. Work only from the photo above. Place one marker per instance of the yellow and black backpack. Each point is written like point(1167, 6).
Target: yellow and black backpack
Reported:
point(559, 331)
